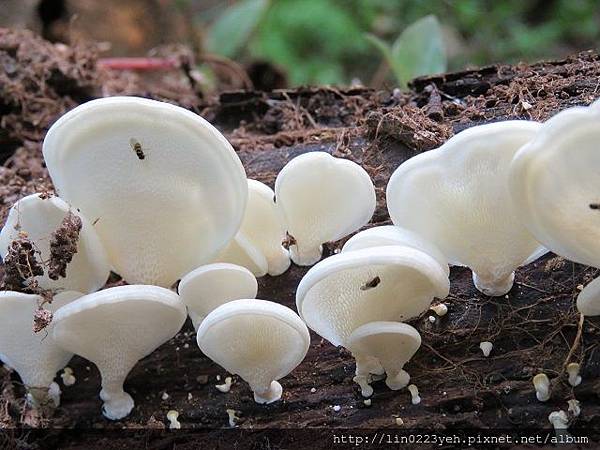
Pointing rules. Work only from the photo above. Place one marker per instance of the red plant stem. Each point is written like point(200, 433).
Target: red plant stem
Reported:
point(138, 63)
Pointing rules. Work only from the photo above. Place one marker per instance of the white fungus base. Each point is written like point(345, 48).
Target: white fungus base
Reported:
point(117, 404)
point(494, 287)
point(272, 394)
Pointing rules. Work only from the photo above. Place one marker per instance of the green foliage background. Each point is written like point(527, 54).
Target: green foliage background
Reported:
point(325, 41)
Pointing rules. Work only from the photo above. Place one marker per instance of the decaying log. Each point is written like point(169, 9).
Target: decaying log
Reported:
point(533, 328)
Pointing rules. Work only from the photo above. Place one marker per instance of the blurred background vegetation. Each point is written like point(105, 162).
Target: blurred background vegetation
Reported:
point(337, 41)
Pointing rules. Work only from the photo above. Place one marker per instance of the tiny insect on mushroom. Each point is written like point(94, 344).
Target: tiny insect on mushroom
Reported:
point(392, 344)
point(555, 185)
point(258, 340)
point(457, 197)
point(35, 356)
point(334, 297)
point(541, 382)
point(263, 231)
point(40, 217)
point(160, 216)
point(210, 286)
point(322, 199)
point(115, 328)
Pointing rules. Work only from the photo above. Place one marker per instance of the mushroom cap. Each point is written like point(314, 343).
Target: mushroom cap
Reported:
point(264, 226)
point(555, 184)
point(88, 270)
point(35, 356)
point(351, 289)
point(241, 252)
point(457, 197)
point(261, 341)
point(588, 300)
point(210, 286)
point(116, 327)
point(322, 199)
point(392, 235)
point(392, 343)
point(158, 217)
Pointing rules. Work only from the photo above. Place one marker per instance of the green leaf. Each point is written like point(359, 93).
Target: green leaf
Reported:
point(419, 50)
point(233, 28)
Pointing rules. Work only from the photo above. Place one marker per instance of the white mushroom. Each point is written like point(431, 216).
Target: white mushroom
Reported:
point(573, 371)
point(67, 377)
point(392, 235)
point(225, 387)
point(166, 188)
point(258, 340)
point(559, 421)
point(486, 348)
point(541, 382)
point(347, 290)
point(114, 329)
point(414, 394)
point(322, 199)
point(574, 407)
point(555, 185)
point(457, 197)
point(35, 356)
point(392, 344)
point(208, 287)
point(39, 218)
point(440, 309)
point(588, 300)
point(264, 231)
point(241, 252)
point(172, 417)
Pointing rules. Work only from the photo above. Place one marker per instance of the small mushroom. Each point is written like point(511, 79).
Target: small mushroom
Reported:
point(350, 289)
point(115, 328)
point(258, 340)
point(559, 420)
point(457, 197)
point(414, 394)
point(172, 417)
point(67, 377)
point(574, 407)
point(588, 300)
point(555, 185)
point(168, 190)
point(541, 382)
point(208, 287)
point(392, 344)
point(573, 371)
point(39, 218)
point(35, 356)
point(263, 231)
point(440, 309)
point(392, 235)
point(486, 348)
point(322, 199)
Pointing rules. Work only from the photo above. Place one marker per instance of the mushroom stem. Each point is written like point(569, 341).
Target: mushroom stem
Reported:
point(368, 364)
point(305, 256)
point(117, 402)
point(492, 285)
point(363, 381)
point(397, 379)
point(574, 377)
point(267, 395)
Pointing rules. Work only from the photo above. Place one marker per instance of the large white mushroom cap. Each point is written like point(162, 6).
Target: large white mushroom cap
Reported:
point(114, 329)
point(555, 184)
point(392, 235)
point(392, 344)
point(166, 188)
point(39, 218)
point(35, 356)
point(258, 244)
point(261, 341)
point(208, 287)
point(347, 290)
point(323, 199)
point(457, 197)
point(588, 300)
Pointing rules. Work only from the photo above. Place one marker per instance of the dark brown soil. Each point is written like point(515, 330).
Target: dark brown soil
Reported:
point(534, 328)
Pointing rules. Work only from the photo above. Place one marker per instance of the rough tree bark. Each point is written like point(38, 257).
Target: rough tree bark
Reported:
point(536, 327)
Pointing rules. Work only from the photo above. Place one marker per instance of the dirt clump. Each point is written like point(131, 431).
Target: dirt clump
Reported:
point(63, 245)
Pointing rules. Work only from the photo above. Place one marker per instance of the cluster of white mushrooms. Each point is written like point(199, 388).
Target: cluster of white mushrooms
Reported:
point(162, 197)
